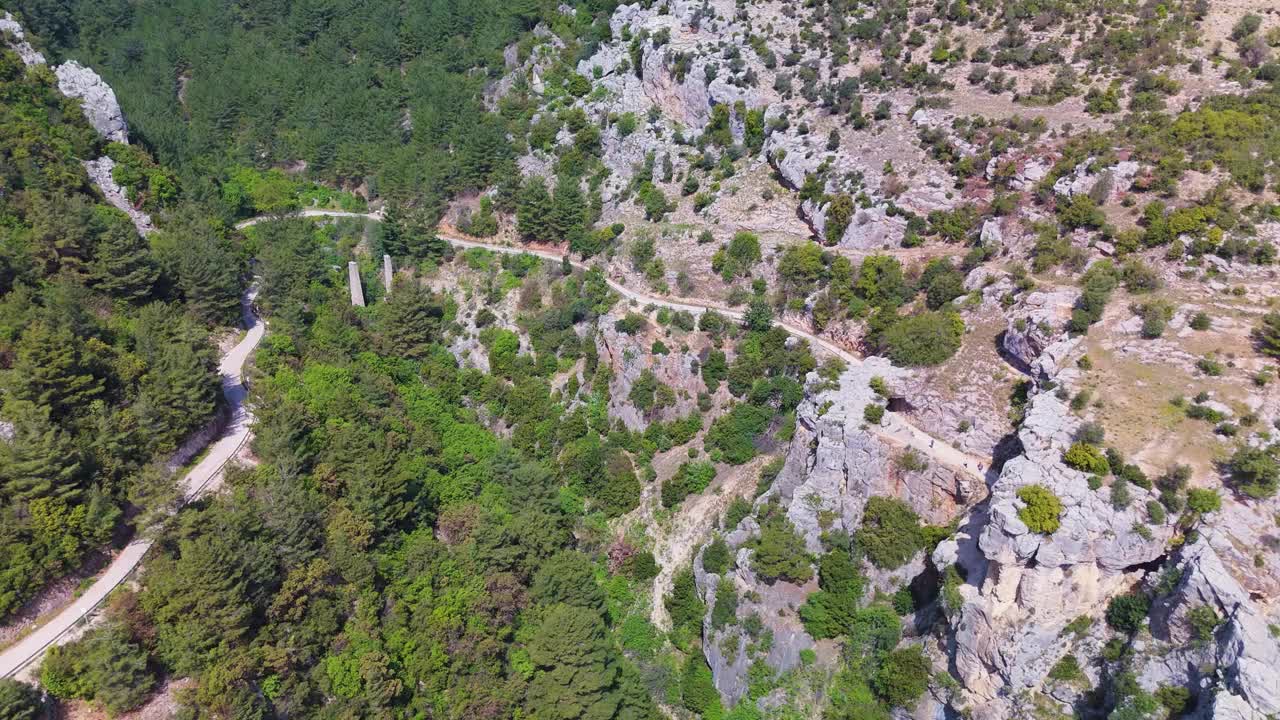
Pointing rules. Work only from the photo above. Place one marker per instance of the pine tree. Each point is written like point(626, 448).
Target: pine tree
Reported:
point(533, 211)
point(197, 602)
point(51, 370)
point(393, 231)
point(41, 460)
point(208, 276)
point(20, 701)
point(122, 266)
point(1267, 335)
point(575, 671)
point(567, 209)
point(178, 394)
point(409, 322)
point(421, 239)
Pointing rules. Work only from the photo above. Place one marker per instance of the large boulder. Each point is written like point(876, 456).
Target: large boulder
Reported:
point(97, 99)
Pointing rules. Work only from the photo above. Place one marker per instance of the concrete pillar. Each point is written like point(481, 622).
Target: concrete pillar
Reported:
point(353, 276)
point(386, 272)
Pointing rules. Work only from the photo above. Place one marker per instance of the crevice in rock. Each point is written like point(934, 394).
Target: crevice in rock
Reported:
point(1148, 567)
point(1012, 360)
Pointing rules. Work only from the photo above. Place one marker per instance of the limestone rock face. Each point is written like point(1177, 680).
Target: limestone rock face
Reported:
point(833, 465)
point(1036, 324)
point(1244, 651)
point(19, 44)
point(97, 98)
point(100, 173)
point(630, 356)
point(1110, 182)
point(1008, 633)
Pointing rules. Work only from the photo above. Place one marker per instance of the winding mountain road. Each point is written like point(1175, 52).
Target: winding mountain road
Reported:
point(21, 657)
point(896, 427)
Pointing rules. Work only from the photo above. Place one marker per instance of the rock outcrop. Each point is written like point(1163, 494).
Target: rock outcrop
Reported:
point(100, 173)
point(1242, 656)
point(1039, 320)
point(1028, 586)
point(18, 43)
point(1103, 184)
point(833, 465)
point(97, 99)
point(629, 356)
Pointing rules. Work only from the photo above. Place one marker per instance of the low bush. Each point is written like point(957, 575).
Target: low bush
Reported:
point(1042, 510)
point(1086, 458)
point(1127, 613)
point(890, 534)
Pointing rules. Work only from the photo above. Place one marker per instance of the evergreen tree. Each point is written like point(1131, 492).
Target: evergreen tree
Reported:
point(568, 209)
point(392, 231)
point(50, 370)
point(178, 394)
point(122, 266)
point(421, 240)
point(1267, 334)
point(568, 578)
point(197, 602)
point(20, 701)
point(533, 211)
point(409, 321)
point(575, 672)
point(208, 277)
point(684, 604)
point(41, 460)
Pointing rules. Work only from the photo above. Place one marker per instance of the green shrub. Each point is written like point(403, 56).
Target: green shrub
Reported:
point(1173, 698)
point(1254, 472)
point(928, 338)
point(1203, 500)
point(739, 508)
point(725, 609)
point(903, 677)
point(1042, 510)
point(1086, 458)
point(1204, 623)
point(1127, 613)
point(890, 534)
point(690, 478)
point(780, 553)
point(716, 557)
point(873, 413)
point(1067, 670)
point(734, 433)
point(631, 323)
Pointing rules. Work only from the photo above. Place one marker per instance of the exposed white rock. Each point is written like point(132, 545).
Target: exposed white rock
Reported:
point(1008, 633)
point(19, 44)
point(1039, 320)
point(97, 99)
point(100, 173)
point(1111, 182)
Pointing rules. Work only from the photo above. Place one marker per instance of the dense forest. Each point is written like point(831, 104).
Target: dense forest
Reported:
point(105, 359)
point(384, 94)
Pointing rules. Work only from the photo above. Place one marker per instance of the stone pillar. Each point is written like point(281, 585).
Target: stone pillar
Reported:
point(386, 272)
point(353, 276)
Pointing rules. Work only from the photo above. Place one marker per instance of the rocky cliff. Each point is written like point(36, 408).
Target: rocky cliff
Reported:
point(833, 465)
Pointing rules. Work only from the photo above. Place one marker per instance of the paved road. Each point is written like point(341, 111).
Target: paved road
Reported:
point(896, 427)
point(20, 659)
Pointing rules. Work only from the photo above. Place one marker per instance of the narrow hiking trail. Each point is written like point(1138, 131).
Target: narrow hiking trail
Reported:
point(896, 428)
point(18, 659)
